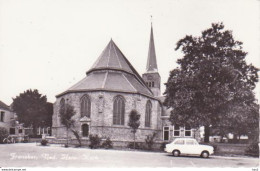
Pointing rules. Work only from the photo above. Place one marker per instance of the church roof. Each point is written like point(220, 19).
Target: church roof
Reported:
point(151, 60)
point(111, 72)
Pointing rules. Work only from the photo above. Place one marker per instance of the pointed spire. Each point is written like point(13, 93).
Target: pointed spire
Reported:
point(151, 61)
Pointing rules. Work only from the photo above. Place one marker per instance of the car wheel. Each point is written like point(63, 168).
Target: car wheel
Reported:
point(176, 153)
point(205, 154)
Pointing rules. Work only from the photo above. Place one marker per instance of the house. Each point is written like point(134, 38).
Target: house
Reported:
point(8, 120)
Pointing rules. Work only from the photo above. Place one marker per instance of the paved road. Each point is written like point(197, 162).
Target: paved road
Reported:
point(31, 155)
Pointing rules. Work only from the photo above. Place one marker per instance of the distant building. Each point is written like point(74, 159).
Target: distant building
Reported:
point(110, 90)
point(8, 120)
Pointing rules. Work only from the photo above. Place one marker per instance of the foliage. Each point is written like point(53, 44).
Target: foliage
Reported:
point(95, 141)
point(150, 140)
point(134, 122)
point(107, 143)
point(66, 115)
point(3, 134)
point(32, 109)
point(44, 142)
point(213, 85)
point(252, 149)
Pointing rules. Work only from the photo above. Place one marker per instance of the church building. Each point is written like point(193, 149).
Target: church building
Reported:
point(110, 90)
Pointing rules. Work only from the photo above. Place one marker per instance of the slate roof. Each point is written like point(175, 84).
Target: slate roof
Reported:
point(111, 72)
point(4, 106)
point(151, 60)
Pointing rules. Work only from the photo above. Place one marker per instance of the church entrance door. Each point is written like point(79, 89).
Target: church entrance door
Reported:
point(85, 130)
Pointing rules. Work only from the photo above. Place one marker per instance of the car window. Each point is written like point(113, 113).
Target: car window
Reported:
point(179, 142)
point(190, 142)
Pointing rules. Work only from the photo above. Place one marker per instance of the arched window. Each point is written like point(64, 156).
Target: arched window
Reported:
point(62, 106)
point(85, 106)
point(85, 130)
point(148, 111)
point(119, 111)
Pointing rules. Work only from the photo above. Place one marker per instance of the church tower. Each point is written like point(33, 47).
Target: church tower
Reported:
point(151, 76)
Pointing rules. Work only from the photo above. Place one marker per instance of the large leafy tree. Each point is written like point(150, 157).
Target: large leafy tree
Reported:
point(213, 85)
point(32, 109)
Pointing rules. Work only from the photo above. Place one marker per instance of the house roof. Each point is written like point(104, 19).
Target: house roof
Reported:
point(4, 106)
point(111, 72)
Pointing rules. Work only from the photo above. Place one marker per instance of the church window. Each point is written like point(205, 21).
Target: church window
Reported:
point(149, 84)
point(85, 106)
point(148, 111)
point(152, 84)
point(166, 133)
point(176, 130)
point(62, 106)
point(85, 130)
point(118, 110)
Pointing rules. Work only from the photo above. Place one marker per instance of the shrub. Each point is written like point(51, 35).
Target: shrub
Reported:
point(150, 140)
point(3, 134)
point(252, 149)
point(94, 141)
point(163, 145)
point(131, 145)
point(44, 142)
point(107, 144)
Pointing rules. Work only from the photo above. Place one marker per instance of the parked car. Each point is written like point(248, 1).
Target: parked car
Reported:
point(188, 146)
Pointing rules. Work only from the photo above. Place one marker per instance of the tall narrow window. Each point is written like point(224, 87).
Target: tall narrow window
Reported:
point(187, 131)
point(119, 110)
point(2, 116)
point(148, 111)
point(166, 133)
point(85, 106)
point(176, 131)
point(62, 106)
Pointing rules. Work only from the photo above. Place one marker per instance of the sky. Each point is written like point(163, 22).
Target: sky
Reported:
point(50, 44)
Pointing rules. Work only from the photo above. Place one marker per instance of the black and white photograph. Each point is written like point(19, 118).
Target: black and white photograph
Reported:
point(111, 84)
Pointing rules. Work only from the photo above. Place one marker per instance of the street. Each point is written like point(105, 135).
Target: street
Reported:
point(33, 155)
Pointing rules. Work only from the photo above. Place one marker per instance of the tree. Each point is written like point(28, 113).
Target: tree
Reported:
point(213, 85)
point(32, 109)
point(66, 115)
point(134, 122)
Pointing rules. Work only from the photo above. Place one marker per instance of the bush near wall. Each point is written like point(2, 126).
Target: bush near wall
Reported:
point(3, 134)
point(252, 150)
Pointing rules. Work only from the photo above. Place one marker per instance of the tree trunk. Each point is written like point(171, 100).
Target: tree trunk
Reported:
point(34, 130)
point(67, 137)
point(207, 133)
point(134, 140)
point(235, 138)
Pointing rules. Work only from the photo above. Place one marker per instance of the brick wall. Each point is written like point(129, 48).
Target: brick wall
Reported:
point(101, 120)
